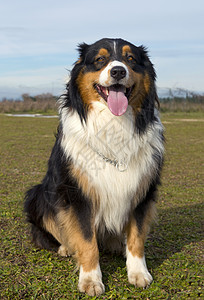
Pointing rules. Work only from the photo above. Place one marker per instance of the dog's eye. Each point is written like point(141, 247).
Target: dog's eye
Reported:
point(130, 58)
point(100, 59)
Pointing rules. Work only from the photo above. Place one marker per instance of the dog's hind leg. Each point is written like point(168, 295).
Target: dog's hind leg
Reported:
point(43, 239)
point(63, 251)
point(35, 201)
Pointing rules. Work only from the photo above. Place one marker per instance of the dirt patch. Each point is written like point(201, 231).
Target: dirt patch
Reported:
point(189, 120)
point(182, 120)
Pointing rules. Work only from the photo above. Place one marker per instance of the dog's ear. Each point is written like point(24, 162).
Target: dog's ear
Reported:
point(82, 49)
point(146, 61)
point(146, 115)
point(72, 96)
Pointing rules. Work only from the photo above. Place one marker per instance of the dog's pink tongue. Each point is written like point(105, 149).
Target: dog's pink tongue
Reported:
point(117, 101)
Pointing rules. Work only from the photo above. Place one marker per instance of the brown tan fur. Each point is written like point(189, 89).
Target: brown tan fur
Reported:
point(86, 87)
point(66, 229)
point(103, 52)
point(136, 238)
point(51, 226)
point(84, 184)
point(140, 90)
point(85, 251)
point(126, 50)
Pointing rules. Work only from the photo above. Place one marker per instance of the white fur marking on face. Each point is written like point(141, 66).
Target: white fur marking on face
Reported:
point(91, 282)
point(137, 270)
point(114, 46)
point(106, 80)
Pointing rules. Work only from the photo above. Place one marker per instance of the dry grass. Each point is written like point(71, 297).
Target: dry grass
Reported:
point(183, 106)
point(47, 106)
point(44, 103)
point(47, 103)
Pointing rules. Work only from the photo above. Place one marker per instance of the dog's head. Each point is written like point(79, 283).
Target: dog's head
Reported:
point(116, 73)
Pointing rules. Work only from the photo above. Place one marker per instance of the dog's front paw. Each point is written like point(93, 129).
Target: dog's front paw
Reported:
point(92, 288)
point(140, 279)
point(137, 271)
point(91, 282)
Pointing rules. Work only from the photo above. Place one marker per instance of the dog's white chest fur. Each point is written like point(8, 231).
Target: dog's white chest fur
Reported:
point(95, 146)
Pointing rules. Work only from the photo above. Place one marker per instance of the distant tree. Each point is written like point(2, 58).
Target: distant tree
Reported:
point(27, 98)
point(45, 97)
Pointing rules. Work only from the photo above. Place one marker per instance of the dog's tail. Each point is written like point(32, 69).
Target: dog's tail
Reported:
point(35, 206)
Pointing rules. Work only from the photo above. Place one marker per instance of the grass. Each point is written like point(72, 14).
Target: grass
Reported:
point(173, 250)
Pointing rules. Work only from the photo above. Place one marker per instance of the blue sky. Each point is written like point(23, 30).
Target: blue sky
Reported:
point(38, 39)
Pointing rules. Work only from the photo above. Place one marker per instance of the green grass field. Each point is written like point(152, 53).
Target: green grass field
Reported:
point(173, 250)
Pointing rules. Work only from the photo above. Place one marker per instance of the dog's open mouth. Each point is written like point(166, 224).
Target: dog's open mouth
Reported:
point(116, 97)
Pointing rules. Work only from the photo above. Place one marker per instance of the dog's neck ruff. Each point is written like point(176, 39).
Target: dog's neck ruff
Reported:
point(120, 165)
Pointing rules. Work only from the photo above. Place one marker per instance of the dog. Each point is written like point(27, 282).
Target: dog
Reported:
point(100, 188)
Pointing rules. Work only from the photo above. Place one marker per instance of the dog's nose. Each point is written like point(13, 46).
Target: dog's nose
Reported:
point(118, 72)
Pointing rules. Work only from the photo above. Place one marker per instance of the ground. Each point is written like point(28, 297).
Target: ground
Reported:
point(173, 250)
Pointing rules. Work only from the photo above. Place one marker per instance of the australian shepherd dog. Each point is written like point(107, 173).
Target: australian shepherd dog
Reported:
point(100, 188)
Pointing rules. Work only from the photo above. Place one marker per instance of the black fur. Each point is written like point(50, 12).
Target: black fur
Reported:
point(58, 190)
point(43, 239)
point(142, 208)
point(72, 98)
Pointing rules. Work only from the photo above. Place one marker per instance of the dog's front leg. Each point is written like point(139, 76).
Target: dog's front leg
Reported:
point(90, 277)
point(138, 273)
point(79, 239)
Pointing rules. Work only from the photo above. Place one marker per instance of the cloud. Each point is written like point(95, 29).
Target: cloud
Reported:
point(38, 38)
point(34, 81)
point(41, 27)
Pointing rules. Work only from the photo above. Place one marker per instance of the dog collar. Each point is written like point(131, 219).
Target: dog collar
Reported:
point(120, 165)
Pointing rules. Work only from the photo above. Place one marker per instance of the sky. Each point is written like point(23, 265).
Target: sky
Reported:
point(38, 40)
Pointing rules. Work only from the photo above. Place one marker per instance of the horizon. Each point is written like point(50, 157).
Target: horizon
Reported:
point(162, 94)
point(39, 40)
